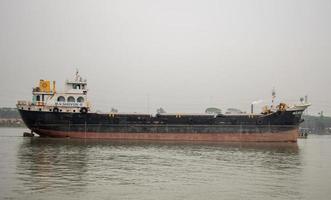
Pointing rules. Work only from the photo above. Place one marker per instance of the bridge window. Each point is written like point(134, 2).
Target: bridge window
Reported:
point(61, 99)
point(71, 99)
point(76, 86)
point(80, 100)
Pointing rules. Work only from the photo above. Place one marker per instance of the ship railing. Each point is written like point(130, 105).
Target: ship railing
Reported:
point(24, 103)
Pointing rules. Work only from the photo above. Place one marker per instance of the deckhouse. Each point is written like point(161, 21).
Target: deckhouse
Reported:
point(45, 97)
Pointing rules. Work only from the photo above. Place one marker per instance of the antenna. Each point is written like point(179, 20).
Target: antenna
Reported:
point(77, 74)
point(306, 102)
point(148, 103)
point(273, 93)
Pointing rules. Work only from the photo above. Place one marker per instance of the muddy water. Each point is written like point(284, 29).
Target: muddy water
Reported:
point(40, 168)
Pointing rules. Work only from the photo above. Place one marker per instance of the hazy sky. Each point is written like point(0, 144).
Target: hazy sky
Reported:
point(182, 55)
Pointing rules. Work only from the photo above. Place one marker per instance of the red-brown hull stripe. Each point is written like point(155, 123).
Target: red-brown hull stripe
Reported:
point(286, 136)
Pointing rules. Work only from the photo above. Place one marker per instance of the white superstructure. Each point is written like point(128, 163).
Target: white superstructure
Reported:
point(46, 98)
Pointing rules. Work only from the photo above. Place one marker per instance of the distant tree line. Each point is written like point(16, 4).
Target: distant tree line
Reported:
point(9, 113)
point(9, 117)
point(317, 124)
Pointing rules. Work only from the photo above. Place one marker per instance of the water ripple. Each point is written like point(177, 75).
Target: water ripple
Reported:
point(40, 168)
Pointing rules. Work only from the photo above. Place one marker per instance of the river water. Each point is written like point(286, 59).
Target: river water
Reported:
point(39, 168)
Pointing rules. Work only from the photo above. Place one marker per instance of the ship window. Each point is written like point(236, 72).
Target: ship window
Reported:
point(38, 98)
point(61, 99)
point(77, 87)
point(71, 99)
point(80, 99)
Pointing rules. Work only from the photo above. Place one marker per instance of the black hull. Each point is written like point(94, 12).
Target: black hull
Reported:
point(280, 126)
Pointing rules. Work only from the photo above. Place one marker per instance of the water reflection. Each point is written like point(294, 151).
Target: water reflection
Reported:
point(103, 166)
point(50, 164)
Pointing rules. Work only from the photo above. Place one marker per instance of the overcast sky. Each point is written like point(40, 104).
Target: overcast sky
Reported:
point(182, 55)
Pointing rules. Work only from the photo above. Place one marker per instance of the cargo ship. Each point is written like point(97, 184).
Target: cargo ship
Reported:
point(69, 114)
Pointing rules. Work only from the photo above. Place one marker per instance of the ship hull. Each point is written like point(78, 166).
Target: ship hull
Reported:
point(281, 127)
